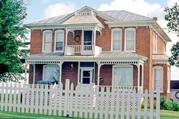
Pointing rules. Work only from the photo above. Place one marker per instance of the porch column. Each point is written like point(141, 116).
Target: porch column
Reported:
point(98, 79)
point(60, 75)
point(94, 41)
point(26, 73)
point(66, 36)
point(138, 75)
point(142, 76)
point(33, 74)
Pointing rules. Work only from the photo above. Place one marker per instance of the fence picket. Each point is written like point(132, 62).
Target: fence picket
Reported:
point(103, 102)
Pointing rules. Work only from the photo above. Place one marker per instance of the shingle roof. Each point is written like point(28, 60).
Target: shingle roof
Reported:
point(118, 15)
point(122, 15)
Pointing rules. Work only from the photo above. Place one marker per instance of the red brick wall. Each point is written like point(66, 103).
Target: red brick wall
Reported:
point(36, 42)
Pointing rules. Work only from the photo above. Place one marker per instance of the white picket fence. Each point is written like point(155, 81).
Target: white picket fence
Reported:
point(90, 102)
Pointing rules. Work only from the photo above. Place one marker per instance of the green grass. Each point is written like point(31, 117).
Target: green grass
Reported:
point(9, 115)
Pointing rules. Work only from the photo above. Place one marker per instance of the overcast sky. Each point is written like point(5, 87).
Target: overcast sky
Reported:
point(40, 9)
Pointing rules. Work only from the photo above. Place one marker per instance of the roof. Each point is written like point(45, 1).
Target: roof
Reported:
point(88, 19)
point(119, 56)
point(122, 15)
point(113, 15)
point(174, 84)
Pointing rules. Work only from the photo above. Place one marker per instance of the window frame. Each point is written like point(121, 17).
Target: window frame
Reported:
point(120, 30)
point(55, 39)
point(125, 39)
point(154, 68)
point(123, 66)
point(155, 43)
point(49, 65)
point(43, 43)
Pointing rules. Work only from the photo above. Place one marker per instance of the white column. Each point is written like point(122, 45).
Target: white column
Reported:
point(33, 74)
point(94, 41)
point(142, 76)
point(66, 37)
point(138, 75)
point(99, 67)
point(26, 80)
point(60, 75)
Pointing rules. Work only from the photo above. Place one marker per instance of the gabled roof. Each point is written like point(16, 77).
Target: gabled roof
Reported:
point(111, 16)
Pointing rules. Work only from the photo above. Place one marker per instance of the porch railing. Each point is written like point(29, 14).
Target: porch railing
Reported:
point(82, 49)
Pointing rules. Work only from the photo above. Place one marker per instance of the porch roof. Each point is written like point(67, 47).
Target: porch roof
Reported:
point(104, 56)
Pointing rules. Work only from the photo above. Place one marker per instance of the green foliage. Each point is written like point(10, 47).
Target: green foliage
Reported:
point(172, 16)
point(174, 59)
point(168, 104)
point(12, 13)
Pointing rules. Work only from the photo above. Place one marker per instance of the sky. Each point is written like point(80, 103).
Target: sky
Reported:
point(40, 9)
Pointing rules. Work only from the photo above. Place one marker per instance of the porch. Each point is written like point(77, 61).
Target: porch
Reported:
point(90, 71)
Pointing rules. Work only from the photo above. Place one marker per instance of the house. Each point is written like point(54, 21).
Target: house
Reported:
point(117, 48)
point(174, 87)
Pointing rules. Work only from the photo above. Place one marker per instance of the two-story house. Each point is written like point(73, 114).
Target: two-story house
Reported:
point(117, 48)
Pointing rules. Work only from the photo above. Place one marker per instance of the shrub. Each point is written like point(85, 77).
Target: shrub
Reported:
point(168, 104)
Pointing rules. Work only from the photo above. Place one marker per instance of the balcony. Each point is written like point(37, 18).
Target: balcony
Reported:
point(82, 50)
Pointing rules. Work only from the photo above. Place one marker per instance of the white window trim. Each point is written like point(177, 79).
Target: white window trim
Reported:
point(116, 29)
point(122, 66)
point(130, 29)
point(158, 67)
point(45, 31)
point(58, 31)
point(85, 68)
point(48, 65)
point(155, 40)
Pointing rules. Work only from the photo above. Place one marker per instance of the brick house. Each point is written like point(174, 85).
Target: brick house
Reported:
point(117, 48)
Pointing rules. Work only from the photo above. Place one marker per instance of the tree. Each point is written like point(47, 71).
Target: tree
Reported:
point(12, 13)
point(172, 16)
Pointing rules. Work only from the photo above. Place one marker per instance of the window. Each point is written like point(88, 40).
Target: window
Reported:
point(47, 41)
point(51, 72)
point(116, 44)
point(59, 40)
point(155, 42)
point(158, 77)
point(86, 75)
point(130, 39)
point(122, 75)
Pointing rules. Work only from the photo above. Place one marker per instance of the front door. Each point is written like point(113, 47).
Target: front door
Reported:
point(86, 76)
point(87, 43)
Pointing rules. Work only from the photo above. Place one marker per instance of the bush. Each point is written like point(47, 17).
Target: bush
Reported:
point(168, 104)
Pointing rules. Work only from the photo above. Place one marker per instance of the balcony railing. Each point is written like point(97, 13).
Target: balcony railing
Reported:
point(82, 50)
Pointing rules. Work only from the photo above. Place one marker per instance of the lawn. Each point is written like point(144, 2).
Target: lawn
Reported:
point(8, 115)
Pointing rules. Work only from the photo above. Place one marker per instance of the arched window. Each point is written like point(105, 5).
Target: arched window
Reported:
point(59, 40)
point(158, 77)
point(130, 39)
point(47, 41)
point(116, 42)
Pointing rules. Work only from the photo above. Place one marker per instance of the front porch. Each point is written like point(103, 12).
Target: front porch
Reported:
point(115, 74)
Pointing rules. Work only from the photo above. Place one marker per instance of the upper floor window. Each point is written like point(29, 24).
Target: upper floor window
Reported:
point(47, 41)
point(158, 77)
point(130, 39)
point(59, 40)
point(116, 44)
point(155, 37)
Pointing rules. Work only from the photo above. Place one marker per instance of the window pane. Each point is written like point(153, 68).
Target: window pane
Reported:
point(123, 76)
point(59, 40)
point(158, 78)
point(47, 42)
point(51, 73)
point(130, 40)
point(59, 45)
point(117, 40)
